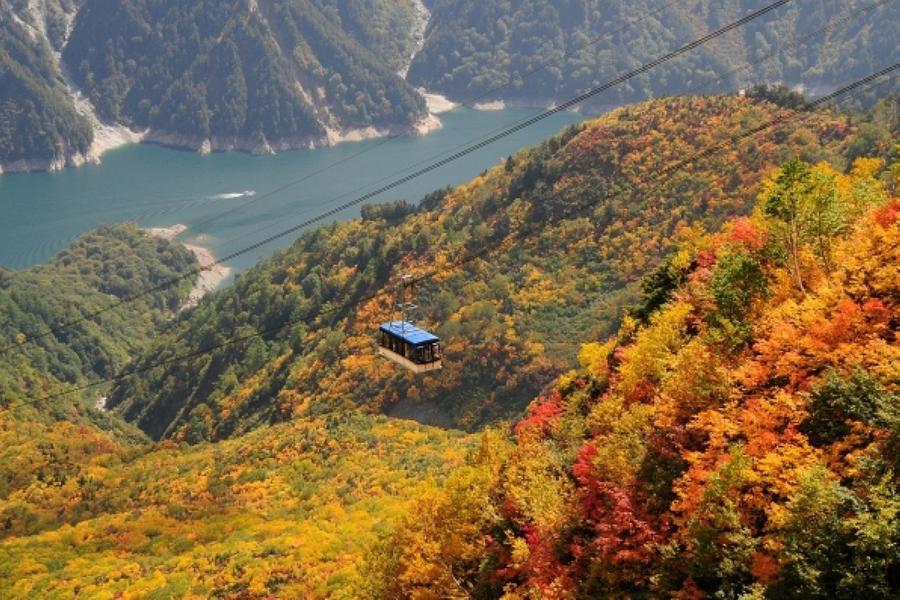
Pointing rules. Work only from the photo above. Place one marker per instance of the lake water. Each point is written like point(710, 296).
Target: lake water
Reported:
point(159, 187)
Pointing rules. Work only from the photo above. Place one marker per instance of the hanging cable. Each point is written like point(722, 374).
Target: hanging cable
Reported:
point(568, 104)
point(660, 176)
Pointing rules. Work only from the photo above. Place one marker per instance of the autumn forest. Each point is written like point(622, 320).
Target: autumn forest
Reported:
point(711, 356)
point(652, 355)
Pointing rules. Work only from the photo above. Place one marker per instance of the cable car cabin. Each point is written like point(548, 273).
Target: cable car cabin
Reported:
point(410, 347)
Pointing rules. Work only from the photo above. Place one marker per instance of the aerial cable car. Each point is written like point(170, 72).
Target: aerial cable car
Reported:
point(404, 344)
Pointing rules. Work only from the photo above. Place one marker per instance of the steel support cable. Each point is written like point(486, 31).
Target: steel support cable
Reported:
point(471, 102)
point(416, 174)
point(772, 123)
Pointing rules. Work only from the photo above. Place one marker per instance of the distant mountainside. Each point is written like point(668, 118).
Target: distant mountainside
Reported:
point(96, 271)
point(473, 46)
point(39, 126)
point(253, 75)
point(510, 321)
point(264, 75)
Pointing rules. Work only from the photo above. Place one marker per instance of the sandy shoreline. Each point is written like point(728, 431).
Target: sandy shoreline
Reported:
point(211, 275)
point(493, 105)
point(437, 103)
point(167, 233)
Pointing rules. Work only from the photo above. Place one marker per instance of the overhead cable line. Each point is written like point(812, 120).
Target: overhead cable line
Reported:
point(661, 175)
point(716, 79)
point(833, 24)
point(470, 103)
point(418, 173)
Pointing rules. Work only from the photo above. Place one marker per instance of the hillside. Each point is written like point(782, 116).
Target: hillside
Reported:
point(737, 438)
point(88, 507)
point(39, 127)
point(473, 47)
point(288, 511)
point(512, 320)
point(94, 273)
point(267, 75)
point(256, 76)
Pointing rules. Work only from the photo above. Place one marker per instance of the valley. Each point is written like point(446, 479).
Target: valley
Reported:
point(649, 338)
point(264, 468)
point(161, 187)
point(280, 478)
point(513, 319)
point(270, 76)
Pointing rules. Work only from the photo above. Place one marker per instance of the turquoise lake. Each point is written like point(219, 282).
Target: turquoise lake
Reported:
point(229, 201)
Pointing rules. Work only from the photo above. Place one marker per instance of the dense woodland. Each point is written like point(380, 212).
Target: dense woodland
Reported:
point(671, 357)
point(258, 71)
point(37, 118)
point(290, 511)
point(260, 75)
point(706, 349)
point(512, 320)
point(737, 438)
point(566, 47)
point(255, 75)
point(41, 358)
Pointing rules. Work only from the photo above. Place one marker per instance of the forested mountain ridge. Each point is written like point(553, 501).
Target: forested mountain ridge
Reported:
point(512, 320)
point(273, 74)
point(95, 272)
point(737, 438)
point(252, 75)
point(39, 126)
point(255, 76)
point(566, 47)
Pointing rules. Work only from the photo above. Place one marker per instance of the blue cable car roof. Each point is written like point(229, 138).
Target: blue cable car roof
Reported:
point(408, 332)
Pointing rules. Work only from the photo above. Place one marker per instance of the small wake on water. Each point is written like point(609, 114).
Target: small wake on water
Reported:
point(233, 195)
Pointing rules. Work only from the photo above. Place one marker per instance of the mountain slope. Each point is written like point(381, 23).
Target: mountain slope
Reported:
point(739, 441)
point(738, 436)
point(251, 75)
point(39, 127)
point(95, 272)
point(87, 507)
point(472, 47)
point(286, 512)
point(256, 76)
point(264, 75)
point(512, 320)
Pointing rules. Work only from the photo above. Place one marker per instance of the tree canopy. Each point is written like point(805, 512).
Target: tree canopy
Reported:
point(512, 320)
point(541, 51)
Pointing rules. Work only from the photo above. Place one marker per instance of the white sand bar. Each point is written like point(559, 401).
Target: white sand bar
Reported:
point(212, 274)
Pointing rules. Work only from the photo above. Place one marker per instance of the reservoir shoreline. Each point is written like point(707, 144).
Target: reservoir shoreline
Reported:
point(109, 137)
point(211, 276)
point(229, 199)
